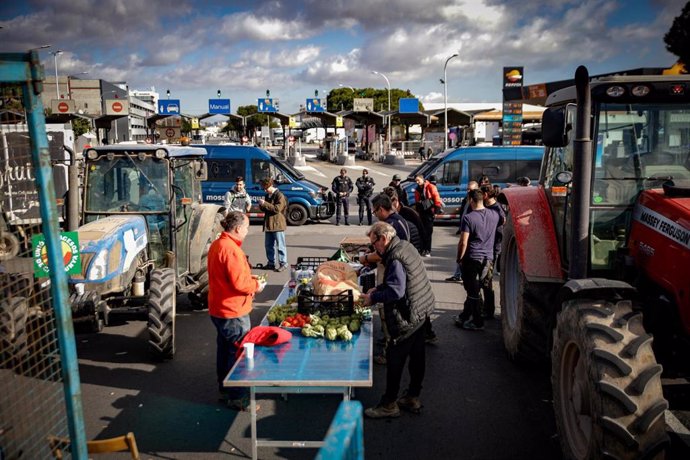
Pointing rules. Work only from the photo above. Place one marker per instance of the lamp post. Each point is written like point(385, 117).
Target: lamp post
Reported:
point(388, 84)
point(445, 101)
point(55, 54)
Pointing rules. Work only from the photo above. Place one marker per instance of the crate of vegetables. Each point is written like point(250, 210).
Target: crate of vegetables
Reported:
point(333, 305)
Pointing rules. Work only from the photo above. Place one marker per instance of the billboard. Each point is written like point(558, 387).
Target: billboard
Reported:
point(512, 111)
point(363, 104)
point(313, 104)
point(408, 105)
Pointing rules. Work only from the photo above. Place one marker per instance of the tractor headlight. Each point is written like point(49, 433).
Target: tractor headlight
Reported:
point(99, 266)
point(313, 194)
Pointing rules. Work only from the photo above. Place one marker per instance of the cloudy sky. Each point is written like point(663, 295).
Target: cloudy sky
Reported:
point(294, 47)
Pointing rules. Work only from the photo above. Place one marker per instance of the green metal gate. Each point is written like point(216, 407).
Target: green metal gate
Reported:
point(39, 380)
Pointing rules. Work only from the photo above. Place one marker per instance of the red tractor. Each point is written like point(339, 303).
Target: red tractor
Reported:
point(595, 264)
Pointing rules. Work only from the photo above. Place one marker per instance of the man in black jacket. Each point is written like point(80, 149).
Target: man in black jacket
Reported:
point(407, 300)
point(402, 196)
point(365, 188)
point(342, 187)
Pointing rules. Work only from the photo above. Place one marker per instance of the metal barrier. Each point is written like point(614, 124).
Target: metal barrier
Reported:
point(39, 379)
point(345, 437)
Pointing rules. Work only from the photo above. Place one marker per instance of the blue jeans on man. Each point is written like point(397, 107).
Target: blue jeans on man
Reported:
point(271, 240)
point(229, 331)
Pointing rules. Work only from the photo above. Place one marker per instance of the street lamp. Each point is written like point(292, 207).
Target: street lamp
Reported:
point(445, 100)
point(388, 83)
point(55, 54)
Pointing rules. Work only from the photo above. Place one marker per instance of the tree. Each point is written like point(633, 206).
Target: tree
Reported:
point(81, 126)
point(678, 37)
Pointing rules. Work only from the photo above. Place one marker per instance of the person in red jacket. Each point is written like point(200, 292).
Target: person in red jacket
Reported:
point(231, 289)
point(427, 204)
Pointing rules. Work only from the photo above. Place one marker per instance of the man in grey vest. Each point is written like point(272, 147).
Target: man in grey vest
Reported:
point(407, 300)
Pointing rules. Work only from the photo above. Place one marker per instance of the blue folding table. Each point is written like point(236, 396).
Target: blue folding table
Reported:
point(303, 365)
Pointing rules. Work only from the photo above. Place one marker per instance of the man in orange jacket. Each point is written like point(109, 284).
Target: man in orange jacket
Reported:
point(231, 289)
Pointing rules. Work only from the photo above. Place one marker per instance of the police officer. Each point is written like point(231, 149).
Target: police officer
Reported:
point(342, 187)
point(365, 188)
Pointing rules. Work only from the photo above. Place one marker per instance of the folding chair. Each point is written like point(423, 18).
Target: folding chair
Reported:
point(101, 446)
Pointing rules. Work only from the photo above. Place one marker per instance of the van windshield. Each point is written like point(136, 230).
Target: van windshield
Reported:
point(289, 168)
point(424, 168)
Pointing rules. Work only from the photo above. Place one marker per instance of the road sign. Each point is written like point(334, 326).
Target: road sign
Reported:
point(62, 106)
point(169, 107)
point(245, 139)
point(338, 121)
point(170, 132)
point(408, 105)
point(148, 140)
point(266, 105)
point(291, 140)
point(314, 105)
point(116, 107)
point(292, 122)
point(219, 106)
point(195, 123)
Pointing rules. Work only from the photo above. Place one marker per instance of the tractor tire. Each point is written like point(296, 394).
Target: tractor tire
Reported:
point(9, 246)
point(199, 297)
point(13, 332)
point(87, 304)
point(297, 214)
point(162, 309)
point(522, 316)
point(606, 383)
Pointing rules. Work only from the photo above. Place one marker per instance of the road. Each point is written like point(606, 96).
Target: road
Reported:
point(477, 404)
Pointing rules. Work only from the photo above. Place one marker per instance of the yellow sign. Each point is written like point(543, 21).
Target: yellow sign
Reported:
point(338, 121)
point(292, 122)
point(195, 123)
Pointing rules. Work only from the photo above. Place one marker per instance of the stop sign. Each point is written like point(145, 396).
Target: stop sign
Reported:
point(117, 106)
point(170, 132)
point(63, 107)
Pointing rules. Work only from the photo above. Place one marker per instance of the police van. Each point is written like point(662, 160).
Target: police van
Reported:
point(306, 199)
point(453, 169)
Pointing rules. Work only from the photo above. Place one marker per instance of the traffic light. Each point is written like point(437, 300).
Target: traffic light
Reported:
point(218, 94)
point(268, 93)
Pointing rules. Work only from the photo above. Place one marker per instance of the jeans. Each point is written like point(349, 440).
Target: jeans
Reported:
point(271, 239)
point(428, 224)
point(229, 331)
point(396, 355)
point(458, 271)
point(471, 272)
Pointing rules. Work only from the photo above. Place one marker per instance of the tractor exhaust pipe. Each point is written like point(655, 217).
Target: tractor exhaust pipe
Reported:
point(582, 173)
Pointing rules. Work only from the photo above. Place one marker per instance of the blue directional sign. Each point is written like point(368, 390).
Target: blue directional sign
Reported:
point(314, 105)
point(219, 106)
point(408, 105)
point(265, 104)
point(169, 107)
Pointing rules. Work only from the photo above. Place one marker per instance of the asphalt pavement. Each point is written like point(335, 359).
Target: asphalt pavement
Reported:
point(477, 404)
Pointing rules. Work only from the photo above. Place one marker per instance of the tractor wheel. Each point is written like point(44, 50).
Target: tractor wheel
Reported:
point(13, 334)
point(606, 383)
point(199, 297)
point(522, 321)
point(9, 246)
point(297, 214)
point(162, 306)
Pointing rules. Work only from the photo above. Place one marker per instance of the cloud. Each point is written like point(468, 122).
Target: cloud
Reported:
point(247, 26)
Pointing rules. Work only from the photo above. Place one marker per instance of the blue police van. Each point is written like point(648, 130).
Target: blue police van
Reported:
point(453, 169)
point(306, 199)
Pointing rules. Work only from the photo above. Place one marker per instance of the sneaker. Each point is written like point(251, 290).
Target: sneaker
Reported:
point(269, 267)
point(410, 404)
point(470, 326)
point(383, 411)
point(282, 268)
point(460, 320)
point(431, 338)
point(427, 254)
point(347, 223)
point(453, 278)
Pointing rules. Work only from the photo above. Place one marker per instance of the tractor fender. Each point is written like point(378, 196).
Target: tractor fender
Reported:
point(596, 288)
point(532, 221)
point(201, 229)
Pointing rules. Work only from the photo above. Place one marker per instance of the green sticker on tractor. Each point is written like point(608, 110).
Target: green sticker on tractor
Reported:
point(69, 241)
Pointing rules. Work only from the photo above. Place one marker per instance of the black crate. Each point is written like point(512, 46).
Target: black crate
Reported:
point(332, 305)
point(310, 262)
point(367, 281)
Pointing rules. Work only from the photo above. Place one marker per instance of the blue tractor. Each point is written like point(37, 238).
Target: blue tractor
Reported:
point(144, 237)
